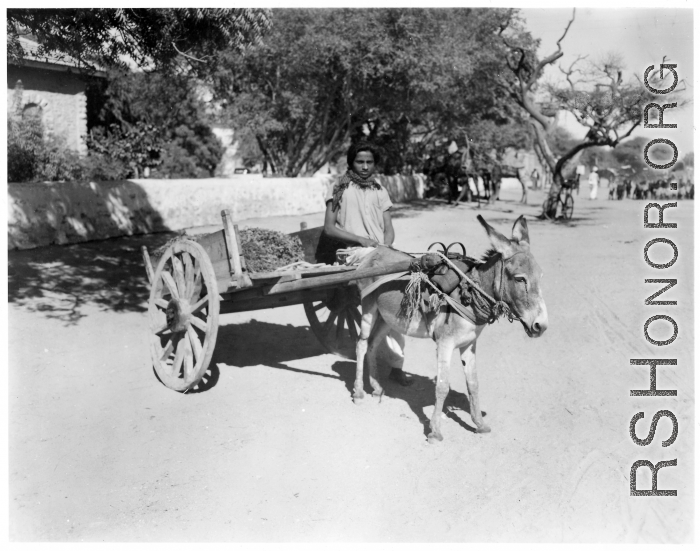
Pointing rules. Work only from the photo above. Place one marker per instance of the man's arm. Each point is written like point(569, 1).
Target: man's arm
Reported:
point(388, 228)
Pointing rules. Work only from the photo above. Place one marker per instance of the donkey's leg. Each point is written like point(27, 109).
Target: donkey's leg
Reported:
point(380, 333)
point(468, 355)
point(395, 345)
point(442, 386)
point(369, 313)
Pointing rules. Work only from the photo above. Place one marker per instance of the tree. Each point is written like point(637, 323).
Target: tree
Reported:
point(172, 38)
point(599, 98)
point(629, 154)
point(405, 77)
point(155, 120)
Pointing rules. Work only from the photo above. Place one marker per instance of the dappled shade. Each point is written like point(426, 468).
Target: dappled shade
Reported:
point(60, 282)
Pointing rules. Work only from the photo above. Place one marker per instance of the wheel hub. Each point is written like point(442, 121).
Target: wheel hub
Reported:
point(177, 315)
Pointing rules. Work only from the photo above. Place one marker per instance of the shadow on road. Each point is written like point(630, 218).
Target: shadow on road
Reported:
point(418, 396)
point(248, 344)
point(59, 281)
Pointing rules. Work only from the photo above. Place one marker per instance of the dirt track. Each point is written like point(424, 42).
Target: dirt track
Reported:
point(275, 450)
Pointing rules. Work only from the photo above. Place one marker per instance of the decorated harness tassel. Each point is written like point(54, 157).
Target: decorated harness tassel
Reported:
point(412, 295)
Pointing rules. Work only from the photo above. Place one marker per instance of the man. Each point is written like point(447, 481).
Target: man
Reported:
point(593, 182)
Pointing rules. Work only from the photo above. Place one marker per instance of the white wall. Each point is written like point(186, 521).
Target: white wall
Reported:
point(72, 212)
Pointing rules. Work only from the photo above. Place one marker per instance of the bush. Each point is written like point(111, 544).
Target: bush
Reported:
point(137, 147)
point(193, 153)
point(164, 118)
point(31, 157)
point(103, 168)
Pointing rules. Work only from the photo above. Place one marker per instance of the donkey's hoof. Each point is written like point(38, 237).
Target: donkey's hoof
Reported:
point(434, 437)
point(377, 393)
point(483, 429)
point(358, 397)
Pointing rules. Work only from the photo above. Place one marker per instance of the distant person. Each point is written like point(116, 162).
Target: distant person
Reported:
point(496, 179)
point(628, 187)
point(593, 183)
point(580, 171)
point(535, 177)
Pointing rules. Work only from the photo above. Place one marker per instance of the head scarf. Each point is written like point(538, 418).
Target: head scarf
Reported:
point(351, 177)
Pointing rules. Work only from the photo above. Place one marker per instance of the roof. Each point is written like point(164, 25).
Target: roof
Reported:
point(32, 58)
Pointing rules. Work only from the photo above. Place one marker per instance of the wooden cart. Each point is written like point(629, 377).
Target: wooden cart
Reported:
point(196, 279)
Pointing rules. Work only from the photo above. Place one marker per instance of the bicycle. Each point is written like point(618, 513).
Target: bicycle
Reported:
point(560, 207)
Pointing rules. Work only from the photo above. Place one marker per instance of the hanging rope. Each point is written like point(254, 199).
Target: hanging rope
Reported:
point(487, 309)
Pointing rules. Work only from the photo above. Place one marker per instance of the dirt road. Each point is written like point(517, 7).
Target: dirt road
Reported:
point(275, 450)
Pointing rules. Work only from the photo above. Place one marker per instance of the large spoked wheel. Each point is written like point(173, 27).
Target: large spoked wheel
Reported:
point(567, 210)
point(183, 312)
point(336, 321)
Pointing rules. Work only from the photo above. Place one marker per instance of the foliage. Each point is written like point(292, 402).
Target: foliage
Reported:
point(267, 250)
point(153, 120)
point(32, 158)
point(139, 145)
point(630, 153)
point(689, 159)
point(163, 38)
point(403, 76)
point(598, 95)
point(560, 141)
point(31, 154)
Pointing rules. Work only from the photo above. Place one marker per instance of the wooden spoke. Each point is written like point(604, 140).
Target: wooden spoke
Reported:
point(184, 272)
point(179, 356)
point(329, 322)
point(352, 327)
point(189, 276)
point(340, 326)
point(161, 329)
point(200, 304)
point(188, 370)
point(198, 323)
point(197, 285)
point(179, 275)
point(342, 307)
point(170, 283)
point(356, 315)
point(194, 340)
point(168, 348)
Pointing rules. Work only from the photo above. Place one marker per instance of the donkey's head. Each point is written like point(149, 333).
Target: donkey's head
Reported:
point(519, 280)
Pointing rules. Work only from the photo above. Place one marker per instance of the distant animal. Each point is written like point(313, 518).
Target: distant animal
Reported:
point(508, 272)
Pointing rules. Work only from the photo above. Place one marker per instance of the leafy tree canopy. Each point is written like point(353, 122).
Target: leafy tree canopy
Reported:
point(153, 120)
point(322, 78)
point(184, 38)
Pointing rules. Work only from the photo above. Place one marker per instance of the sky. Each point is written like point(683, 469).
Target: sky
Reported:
point(641, 36)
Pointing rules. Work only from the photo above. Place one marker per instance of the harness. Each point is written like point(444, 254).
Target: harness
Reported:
point(467, 299)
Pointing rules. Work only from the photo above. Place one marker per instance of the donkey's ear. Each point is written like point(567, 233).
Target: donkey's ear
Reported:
point(499, 241)
point(520, 233)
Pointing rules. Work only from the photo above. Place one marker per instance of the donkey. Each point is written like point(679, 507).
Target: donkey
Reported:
point(507, 272)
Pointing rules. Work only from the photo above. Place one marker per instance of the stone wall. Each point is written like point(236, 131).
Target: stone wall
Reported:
point(72, 212)
point(61, 97)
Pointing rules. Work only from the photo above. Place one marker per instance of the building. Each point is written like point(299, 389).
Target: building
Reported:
point(52, 89)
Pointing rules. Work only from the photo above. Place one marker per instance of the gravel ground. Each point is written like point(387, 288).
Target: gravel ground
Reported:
point(275, 450)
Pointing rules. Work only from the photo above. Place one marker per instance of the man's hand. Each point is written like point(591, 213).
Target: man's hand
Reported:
point(367, 242)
